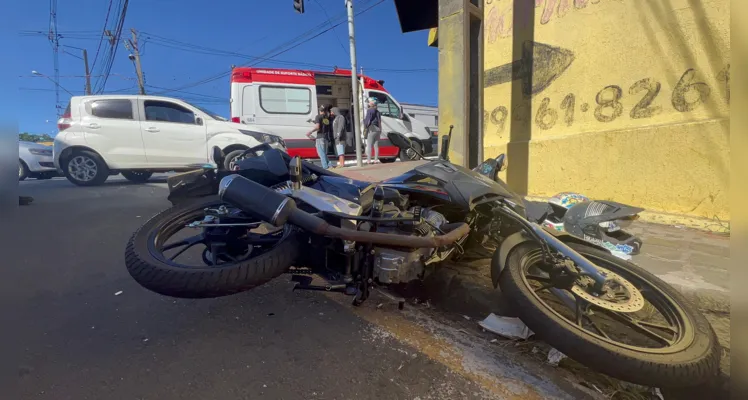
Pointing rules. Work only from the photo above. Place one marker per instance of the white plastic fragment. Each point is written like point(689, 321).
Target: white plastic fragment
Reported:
point(118, 293)
point(555, 356)
point(466, 317)
point(509, 327)
point(657, 393)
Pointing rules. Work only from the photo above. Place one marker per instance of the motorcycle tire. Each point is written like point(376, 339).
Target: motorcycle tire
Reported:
point(203, 282)
point(692, 362)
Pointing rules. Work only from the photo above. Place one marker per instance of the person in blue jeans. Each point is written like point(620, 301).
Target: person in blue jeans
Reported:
point(323, 127)
point(338, 134)
point(373, 129)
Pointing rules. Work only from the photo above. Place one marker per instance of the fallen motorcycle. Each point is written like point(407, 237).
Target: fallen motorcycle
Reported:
point(278, 214)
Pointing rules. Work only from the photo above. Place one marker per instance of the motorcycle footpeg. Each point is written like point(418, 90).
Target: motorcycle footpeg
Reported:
point(320, 288)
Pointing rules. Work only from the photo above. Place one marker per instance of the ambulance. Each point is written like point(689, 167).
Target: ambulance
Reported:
point(284, 102)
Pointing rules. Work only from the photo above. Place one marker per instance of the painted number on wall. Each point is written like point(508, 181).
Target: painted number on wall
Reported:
point(688, 94)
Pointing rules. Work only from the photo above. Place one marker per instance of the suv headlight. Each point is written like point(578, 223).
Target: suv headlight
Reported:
point(264, 137)
point(41, 152)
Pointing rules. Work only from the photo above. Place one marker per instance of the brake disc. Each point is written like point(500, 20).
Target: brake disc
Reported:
point(619, 295)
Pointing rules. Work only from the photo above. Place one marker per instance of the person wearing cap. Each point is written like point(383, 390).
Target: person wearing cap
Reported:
point(338, 134)
point(373, 128)
point(323, 127)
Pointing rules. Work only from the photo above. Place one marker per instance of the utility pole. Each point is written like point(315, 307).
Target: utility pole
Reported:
point(135, 57)
point(354, 82)
point(88, 73)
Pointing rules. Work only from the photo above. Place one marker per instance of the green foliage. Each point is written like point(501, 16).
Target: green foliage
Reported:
point(31, 137)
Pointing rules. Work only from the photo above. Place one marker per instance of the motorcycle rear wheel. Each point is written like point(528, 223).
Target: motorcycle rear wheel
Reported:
point(158, 275)
point(689, 358)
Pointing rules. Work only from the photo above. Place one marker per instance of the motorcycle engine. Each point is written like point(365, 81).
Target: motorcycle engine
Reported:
point(400, 265)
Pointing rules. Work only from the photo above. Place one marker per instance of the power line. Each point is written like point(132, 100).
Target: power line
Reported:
point(116, 37)
point(329, 21)
point(191, 93)
point(101, 37)
point(297, 43)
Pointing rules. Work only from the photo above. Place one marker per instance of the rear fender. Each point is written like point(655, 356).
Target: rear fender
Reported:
point(501, 255)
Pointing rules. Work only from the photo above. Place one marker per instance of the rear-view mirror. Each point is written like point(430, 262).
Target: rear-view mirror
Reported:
point(501, 162)
point(198, 121)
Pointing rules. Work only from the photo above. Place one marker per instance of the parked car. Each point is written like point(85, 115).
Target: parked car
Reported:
point(138, 135)
point(35, 161)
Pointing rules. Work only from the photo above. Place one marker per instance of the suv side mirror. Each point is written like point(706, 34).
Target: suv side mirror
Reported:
point(198, 121)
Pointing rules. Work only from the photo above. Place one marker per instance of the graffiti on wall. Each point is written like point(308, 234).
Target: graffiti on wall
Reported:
point(540, 64)
point(499, 18)
point(688, 94)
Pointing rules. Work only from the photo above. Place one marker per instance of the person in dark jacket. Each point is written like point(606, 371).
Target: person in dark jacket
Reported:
point(373, 129)
point(323, 127)
point(338, 133)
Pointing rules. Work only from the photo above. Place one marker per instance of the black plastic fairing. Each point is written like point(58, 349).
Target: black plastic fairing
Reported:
point(462, 185)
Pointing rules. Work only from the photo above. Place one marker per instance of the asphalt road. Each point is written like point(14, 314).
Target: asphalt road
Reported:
point(68, 335)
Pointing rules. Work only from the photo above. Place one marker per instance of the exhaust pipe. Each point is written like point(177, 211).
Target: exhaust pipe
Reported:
point(277, 209)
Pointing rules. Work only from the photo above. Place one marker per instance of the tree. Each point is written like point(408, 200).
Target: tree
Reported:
point(31, 137)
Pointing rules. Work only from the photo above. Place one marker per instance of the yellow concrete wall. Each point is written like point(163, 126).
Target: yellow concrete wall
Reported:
point(671, 155)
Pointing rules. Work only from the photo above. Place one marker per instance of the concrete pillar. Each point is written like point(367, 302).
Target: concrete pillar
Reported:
point(460, 41)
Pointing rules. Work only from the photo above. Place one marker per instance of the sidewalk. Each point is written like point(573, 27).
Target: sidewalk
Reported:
point(694, 262)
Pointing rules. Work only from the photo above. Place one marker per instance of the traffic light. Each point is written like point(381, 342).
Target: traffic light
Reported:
point(298, 5)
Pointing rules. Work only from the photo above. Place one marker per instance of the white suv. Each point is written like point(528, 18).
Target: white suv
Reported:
point(139, 135)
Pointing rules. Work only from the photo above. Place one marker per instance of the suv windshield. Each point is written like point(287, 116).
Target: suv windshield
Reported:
point(209, 113)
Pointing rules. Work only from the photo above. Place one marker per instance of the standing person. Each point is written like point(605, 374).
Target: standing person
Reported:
point(338, 134)
point(373, 126)
point(323, 127)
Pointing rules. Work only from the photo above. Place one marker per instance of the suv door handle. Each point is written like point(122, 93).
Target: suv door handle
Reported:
point(94, 125)
point(151, 129)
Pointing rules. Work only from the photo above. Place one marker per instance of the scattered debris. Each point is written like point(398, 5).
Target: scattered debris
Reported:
point(494, 340)
point(145, 340)
point(118, 293)
point(321, 314)
point(509, 327)
point(657, 393)
point(380, 305)
point(535, 350)
point(400, 367)
point(596, 388)
point(466, 317)
point(270, 314)
point(264, 385)
point(555, 356)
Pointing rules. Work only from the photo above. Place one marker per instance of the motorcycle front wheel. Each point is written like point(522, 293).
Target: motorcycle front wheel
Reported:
point(165, 265)
point(664, 343)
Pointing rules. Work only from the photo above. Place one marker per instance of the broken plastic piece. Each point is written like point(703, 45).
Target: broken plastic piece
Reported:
point(509, 327)
point(555, 357)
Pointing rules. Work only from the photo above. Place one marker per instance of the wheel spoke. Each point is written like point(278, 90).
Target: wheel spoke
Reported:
point(637, 325)
point(544, 287)
point(538, 278)
point(185, 243)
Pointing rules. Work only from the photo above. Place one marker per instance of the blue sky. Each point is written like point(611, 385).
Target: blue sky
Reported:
point(247, 27)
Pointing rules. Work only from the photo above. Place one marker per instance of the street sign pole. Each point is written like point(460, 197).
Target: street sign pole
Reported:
point(356, 96)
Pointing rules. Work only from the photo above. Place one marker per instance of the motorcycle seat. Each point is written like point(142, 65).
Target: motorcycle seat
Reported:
point(536, 211)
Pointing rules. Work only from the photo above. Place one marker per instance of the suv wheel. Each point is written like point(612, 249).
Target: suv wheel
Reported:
point(23, 170)
point(230, 160)
point(137, 176)
point(409, 154)
point(85, 168)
